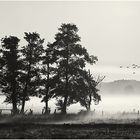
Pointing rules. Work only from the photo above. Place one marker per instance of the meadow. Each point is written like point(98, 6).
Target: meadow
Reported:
point(70, 126)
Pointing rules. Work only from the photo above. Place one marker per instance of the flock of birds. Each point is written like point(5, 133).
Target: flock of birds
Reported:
point(133, 66)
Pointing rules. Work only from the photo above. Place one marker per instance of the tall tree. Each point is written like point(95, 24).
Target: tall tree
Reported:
point(9, 70)
point(49, 75)
point(72, 60)
point(31, 57)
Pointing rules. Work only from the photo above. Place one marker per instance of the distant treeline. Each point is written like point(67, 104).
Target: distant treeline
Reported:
point(56, 70)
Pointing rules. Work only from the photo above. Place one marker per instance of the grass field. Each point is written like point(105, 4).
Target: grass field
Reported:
point(67, 131)
point(38, 126)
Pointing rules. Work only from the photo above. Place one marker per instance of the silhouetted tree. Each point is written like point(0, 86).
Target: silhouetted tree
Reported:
point(31, 57)
point(87, 86)
point(49, 74)
point(72, 59)
point(9, 70)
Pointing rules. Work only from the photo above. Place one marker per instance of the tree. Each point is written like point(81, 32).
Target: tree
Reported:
point(72, 58)
point(31, 58)
point(87, 85)
point(9, 70)
point(49, 74)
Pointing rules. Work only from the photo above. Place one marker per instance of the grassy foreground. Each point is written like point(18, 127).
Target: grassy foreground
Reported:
point(67, 131)
point(31, 127)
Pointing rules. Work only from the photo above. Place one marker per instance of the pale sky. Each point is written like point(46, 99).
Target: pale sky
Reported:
point(109, 30)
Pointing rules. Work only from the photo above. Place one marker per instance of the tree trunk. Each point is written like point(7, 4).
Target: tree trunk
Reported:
point(88, 108)
point(14, 100)
point(46, 107)
point(64, 110)
point(47, 91)
point(15, 110)
point(23, 106)
point(23, 99)
point(46, 101)
point(90, 100)
point(26, 88)
point(14, 104)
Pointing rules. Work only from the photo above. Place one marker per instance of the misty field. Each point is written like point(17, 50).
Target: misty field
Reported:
point(69, 126)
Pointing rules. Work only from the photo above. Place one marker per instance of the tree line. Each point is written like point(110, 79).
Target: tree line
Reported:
point(56, 70)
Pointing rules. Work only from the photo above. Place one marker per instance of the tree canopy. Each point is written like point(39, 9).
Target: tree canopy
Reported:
point(56, 70)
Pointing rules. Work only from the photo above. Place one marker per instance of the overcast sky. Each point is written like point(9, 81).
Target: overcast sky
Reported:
point(109, 30)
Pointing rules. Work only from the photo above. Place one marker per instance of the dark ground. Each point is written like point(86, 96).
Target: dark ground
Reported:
point(80, 131)
point(70, 126)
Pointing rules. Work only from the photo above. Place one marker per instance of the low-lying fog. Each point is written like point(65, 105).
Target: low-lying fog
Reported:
point(110, 104)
